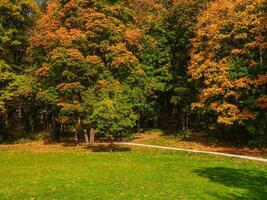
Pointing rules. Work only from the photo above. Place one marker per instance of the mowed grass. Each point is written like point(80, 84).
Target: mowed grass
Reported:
point(136, 173)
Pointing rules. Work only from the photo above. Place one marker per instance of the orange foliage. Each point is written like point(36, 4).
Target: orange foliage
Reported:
point(43, 71)
point(133, 37)
point(74, 53)
point(262, 102)
point(121, 57)
point(261, 79)
point(93, 59)
point(102, 83)
point(67, 87)
point(226, 33)
point(50, 32)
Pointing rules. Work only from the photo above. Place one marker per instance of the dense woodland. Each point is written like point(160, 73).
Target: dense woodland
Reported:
point(114, 67)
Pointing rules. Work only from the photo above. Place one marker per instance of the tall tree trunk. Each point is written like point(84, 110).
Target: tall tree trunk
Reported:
point(77, 126)
point(92, 136)
point(183, 121)
point(261, 56)
point(138, 125)
point(19, 112)
point(86, 136)
point(186, 121)
point(198, 121)
point(6, 119)
point(76, 135)
point(54, 125)
point(31, 123)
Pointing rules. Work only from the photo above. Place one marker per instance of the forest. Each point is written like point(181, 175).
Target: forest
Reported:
point(111, 68)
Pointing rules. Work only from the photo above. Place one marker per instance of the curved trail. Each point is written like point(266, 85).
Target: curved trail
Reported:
point(195, 151)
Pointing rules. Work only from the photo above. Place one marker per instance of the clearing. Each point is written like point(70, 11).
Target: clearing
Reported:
point(38, 171)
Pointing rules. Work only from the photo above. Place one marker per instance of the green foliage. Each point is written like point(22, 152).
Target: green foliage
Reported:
point(16, 19)
point(110, 111)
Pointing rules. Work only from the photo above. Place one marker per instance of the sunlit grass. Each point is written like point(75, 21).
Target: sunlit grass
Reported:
point(129, 174)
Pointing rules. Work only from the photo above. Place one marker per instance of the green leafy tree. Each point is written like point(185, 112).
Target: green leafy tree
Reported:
point(17, 18)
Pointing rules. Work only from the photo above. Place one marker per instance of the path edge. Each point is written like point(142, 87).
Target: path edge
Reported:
point(195, 151)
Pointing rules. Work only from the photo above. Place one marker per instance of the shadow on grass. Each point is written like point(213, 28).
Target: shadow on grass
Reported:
point(106, 148)
point(254, 182)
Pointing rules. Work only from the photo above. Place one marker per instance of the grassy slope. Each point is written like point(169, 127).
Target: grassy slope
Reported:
point(135, 174)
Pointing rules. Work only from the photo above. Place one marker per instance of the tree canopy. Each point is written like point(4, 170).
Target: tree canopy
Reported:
point(119, 66)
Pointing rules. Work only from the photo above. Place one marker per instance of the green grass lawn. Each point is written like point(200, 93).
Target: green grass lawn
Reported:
point(133, 174)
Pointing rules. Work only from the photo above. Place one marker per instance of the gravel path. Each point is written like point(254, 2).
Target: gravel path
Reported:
point(195, 151)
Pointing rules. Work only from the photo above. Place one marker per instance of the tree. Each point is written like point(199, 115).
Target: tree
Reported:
point(181, 23)
point(17, 18)
point(110, 108)
point(228, 61)
point(77, 46)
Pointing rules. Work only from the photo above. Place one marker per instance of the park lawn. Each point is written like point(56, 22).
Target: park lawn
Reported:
point(134, 173)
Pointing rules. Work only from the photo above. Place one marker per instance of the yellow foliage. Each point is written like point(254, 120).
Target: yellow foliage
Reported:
point(69, 106)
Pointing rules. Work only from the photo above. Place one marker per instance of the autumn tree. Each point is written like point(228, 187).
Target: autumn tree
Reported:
point(229, 62)
point(79, 45)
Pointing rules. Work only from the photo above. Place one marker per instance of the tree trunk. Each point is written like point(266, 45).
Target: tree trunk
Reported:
point(92, 136)
point(186, 121)
point(30, 124)
point(19, 112)
point(261, 56)
point(6, 120)
point(110, 143)
point(54, 126)
point(86, 136)
point(198, 121)
point(76, 135)
point(61, 128)
point(138, 125)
